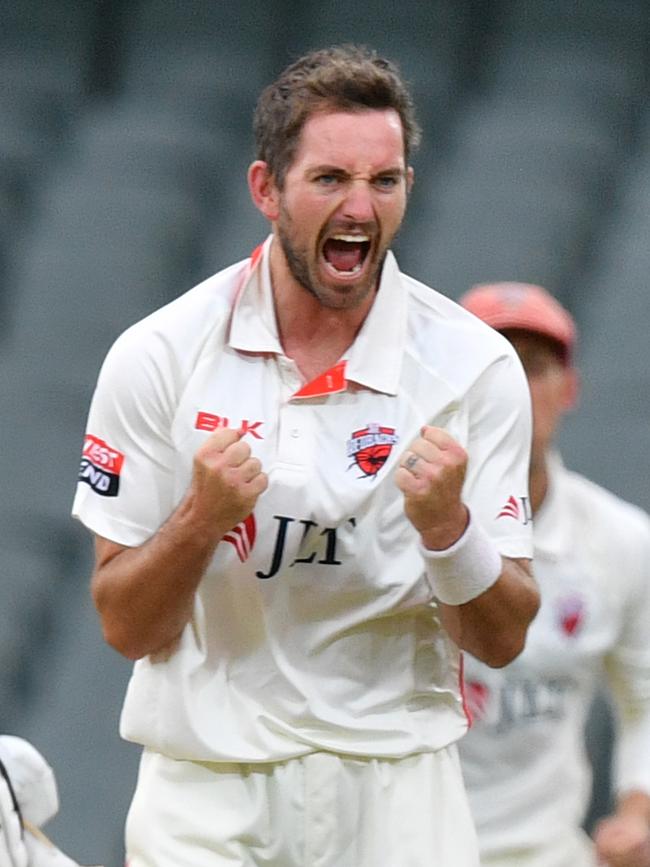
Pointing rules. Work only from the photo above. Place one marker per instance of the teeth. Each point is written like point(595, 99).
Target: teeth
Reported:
point(352, 239)
point(355, 270)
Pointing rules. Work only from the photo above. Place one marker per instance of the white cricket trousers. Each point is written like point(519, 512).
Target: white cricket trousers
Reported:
point(319, 810)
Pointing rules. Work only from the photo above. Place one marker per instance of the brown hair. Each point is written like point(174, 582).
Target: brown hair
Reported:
point(347, 78)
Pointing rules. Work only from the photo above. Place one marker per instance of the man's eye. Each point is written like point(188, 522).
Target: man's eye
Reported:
point(386, 182)
point(327, 180)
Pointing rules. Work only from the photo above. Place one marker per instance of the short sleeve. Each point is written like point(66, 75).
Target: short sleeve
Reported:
point(499, 440)
point(125, 488)
point(628, 665)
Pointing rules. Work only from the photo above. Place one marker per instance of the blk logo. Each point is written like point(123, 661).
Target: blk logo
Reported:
point(210, 422)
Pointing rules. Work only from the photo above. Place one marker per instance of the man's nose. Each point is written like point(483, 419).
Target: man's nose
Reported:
point(357, 204)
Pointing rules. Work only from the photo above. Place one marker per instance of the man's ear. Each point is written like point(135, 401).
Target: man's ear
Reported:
point(263, 189)
point(410, 177)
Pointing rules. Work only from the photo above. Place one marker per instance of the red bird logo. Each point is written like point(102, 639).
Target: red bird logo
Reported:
point(571, 614)
point(370, 448)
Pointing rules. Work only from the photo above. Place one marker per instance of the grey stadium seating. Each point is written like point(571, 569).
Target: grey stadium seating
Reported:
point(124, 142)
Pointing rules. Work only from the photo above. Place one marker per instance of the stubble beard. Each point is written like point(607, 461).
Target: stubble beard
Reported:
point(299, 266)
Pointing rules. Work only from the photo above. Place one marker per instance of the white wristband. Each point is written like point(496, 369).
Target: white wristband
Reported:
point(466, 569)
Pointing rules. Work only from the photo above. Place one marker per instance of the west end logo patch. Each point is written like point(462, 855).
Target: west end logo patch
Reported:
point(101, 466)
point(370, 448)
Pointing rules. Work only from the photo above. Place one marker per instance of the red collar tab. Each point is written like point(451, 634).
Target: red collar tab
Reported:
point(256, 255)
point(330, 382)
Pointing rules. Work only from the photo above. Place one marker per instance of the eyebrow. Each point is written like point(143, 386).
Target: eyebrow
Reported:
point(337, 170)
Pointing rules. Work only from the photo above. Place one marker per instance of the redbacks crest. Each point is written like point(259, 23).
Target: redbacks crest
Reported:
point(570, 614)
point(370, 448)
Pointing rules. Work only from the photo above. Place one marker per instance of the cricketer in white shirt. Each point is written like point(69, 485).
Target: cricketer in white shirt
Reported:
point(592, 563)
point(314, 627)
point(524, 759)
point(307, 478)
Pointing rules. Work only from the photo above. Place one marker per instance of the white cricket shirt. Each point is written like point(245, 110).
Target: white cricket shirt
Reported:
point(524, 758)
point(314, 627)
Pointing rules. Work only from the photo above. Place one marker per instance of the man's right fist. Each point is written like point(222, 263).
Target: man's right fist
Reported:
point(227, 479)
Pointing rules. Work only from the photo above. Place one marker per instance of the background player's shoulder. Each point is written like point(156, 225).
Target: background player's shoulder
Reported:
point(605, 501)
point(439, 325)
point(612, 521)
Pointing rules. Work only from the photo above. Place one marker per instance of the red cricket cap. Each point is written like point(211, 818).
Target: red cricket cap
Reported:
point(524, 307)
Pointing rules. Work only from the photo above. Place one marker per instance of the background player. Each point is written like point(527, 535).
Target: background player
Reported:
point(524, 759)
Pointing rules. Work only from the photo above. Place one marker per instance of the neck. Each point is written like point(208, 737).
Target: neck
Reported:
point(538, 481)
point(313, 335)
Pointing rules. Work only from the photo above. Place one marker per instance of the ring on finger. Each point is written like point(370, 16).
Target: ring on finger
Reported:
point(411, 461)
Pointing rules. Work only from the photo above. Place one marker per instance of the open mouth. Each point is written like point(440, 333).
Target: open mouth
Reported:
point(346, 254)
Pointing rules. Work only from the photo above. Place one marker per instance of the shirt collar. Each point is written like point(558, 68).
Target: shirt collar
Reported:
point(253, 327)
point(375, 357)
point(374, 360)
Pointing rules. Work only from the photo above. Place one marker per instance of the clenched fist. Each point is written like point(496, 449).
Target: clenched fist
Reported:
point(623, 841)
point(227, 479)
point(431, 476)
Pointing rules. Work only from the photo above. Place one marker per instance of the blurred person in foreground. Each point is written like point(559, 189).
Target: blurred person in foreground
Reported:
point(293, 472)
point(524, 759)
point(29, 798)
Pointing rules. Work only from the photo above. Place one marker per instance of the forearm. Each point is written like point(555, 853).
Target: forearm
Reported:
point(493, 626)
point(145, 595)
point(486, 601)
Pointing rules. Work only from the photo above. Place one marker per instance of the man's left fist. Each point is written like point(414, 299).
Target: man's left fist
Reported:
point(431, 476)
